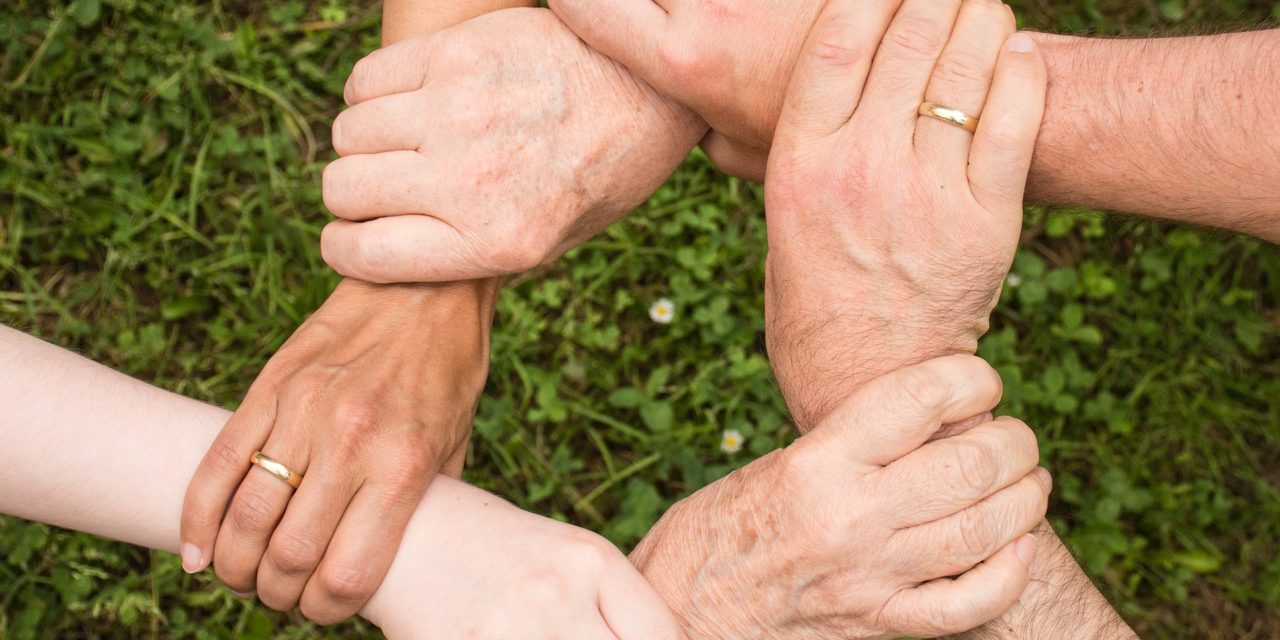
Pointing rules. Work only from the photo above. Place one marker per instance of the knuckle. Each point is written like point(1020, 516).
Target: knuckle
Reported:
point(548, 586)
point(975, 466)
point(225, 457)
point(683, 60)
point(347, 582)
point(836, 41)
point(520, 252)
point(964, 67)
point(252, 514)
point(1022, 436)
point(943, 620)
point(233, 579)
point(923, 387)
point(915, 36)
point(295, 555)
point(1005, 135)
point(355, 420)
point(971, 540)
point(368, 253)
point(592, 553)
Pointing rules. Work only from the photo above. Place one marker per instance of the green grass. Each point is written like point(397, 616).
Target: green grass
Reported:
point(160, 208)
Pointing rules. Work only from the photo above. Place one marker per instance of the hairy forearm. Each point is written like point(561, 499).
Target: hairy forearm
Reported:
point(1176, 128)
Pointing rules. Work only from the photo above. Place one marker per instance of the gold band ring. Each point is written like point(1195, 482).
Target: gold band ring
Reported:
point(276, 469)
point(950, 116)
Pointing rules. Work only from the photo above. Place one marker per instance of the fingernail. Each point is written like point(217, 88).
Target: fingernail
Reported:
point(192, 559)
point(1021, 43)
point(245, 595)
point(1026, 548)
point(1046, 478)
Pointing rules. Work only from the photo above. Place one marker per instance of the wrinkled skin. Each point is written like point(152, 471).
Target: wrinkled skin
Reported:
point(367, 400)
point(490, 148)
point(855, 530)
point(730, 61)
point(902, 254)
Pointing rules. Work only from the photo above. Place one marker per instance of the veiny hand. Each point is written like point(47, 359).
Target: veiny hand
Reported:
point(860, 529)
point(728, 60)
point(368, 400)
point(489, 571)
point(490, 148)
point(890, 234)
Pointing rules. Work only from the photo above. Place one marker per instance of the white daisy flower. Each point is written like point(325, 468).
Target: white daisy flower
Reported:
point(1013, 281)
point(731, 441)
point(663, 311)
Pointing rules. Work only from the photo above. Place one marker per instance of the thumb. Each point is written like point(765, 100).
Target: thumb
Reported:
point(980, 595)
point(408, 248)
point(894, 414)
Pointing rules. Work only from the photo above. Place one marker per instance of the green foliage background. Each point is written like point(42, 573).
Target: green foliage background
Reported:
point(159, 211)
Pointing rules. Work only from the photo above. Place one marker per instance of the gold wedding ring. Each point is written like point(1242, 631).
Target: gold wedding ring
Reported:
point(950, 116)
point(276, 469)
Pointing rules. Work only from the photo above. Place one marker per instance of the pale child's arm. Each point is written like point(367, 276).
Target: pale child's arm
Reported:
point(88, 448)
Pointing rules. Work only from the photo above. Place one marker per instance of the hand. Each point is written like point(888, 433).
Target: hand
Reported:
point(730, 61)
point(856, 530)
point(490, 571)
point(890, 234)
point(490, 148)
point(367, 401)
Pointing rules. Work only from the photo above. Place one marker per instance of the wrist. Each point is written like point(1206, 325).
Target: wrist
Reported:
point(827, 336)
point(1060, 601)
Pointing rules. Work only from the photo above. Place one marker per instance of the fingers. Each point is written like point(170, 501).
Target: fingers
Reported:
point(631, 607)
point(364, 187)
point(904, 63)
point(390, 123)
point(828, 78)
point(361, 551)
point(255, 511)
point(893, 415)
point(629, 31)
point(299, 542)
point(962, 78)
point(956, 543)
point(946, 476)
point(412, 248)
point(220, 473)
point(735, 158)
point(397, 68)
point(1002, 146)
point(946, 606)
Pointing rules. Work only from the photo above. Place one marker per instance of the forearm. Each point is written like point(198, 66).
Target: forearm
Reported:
point(1176, 128)
point(90, 449)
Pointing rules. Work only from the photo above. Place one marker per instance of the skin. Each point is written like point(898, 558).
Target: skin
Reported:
point(489, 570)
point(1185, 189)
point(1109, 139)
point(369, 456)
point(373, 128)
point(443, 132)
point(972, 189)
point(895, 258)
